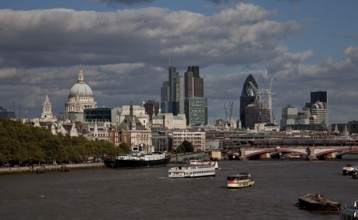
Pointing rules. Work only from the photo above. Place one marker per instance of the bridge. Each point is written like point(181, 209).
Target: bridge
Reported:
point(307, 152)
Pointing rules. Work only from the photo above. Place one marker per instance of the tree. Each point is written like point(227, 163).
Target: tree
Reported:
point(124, 147)
point(185, 147)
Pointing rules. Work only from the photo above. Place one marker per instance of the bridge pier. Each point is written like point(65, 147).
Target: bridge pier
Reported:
point(265, 156)
point(311, 154)
point(331, 156)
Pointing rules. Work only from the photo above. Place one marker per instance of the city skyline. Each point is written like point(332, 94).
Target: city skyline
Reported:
point(125, 48)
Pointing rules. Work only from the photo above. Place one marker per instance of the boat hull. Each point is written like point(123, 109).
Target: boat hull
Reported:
point(318, 205)
point(239, 184)
point(192, 171)
point(122, 163)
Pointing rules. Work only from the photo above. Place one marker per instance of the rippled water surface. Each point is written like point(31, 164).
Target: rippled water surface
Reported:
point(149, 193)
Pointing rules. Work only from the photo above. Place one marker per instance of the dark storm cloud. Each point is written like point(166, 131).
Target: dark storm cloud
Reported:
point(240, 35)
point(127, 2)
point(125, 56)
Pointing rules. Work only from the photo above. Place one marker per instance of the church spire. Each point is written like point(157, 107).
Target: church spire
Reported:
point(80, 75)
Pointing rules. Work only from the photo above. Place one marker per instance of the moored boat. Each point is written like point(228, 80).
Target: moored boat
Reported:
point(192, 171)
point(319, 203)
point(137, 160)
point(349, 212)
point(240, 180)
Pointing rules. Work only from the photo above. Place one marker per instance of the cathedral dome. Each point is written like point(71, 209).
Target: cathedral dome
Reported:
point(80, 96)
point(81, 90)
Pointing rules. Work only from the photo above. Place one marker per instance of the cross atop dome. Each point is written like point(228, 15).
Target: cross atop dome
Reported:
point(80, 75)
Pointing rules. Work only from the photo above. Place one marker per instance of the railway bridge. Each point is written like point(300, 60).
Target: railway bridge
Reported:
point(307, 152)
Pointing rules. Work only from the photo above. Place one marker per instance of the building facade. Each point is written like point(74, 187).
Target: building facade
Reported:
point(196, 138)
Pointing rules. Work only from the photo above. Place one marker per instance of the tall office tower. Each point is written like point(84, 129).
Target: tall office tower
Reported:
point(194, 85)
point(181, 94)
point(173, 104)
point(248, 96)
point(151, 108)
point(196, 107)
point(319, 107)
point(319, 113)
point(164, 97)
point(318, 96)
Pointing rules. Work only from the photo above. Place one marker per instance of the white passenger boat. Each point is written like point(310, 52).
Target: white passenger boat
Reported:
point(240, 180)
point(350, 212)
point(204, 162)
point(192, 171)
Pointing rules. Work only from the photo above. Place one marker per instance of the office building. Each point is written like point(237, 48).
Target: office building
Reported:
point(319, 108)
point(170, 93)
point(196, 107)
point(248, 96)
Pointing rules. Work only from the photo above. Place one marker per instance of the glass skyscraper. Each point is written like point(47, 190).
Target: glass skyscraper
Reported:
point(196, 108)
point(248, 96)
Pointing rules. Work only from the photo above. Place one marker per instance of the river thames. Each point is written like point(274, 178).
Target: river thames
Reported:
point(148, 193)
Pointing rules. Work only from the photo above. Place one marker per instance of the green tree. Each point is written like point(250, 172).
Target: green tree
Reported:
point(185, 147)
point(124, 147)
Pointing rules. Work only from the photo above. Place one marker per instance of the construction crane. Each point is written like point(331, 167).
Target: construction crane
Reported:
point(228, 115)
point(269, 93)
point(256, 91)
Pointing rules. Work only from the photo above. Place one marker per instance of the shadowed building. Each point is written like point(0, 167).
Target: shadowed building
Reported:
point(248, 96)
point(170, 93)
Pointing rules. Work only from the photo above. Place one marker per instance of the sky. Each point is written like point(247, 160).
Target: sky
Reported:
point(126, 46)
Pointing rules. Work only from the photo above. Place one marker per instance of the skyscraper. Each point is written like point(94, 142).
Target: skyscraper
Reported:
point(196, 110)
point(319, 107)
point(194, 85)
point(170, 92)
point(164, 97)
point(248, 96)
point(318, 96)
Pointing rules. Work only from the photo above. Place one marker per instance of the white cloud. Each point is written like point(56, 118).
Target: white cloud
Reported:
point(125, 55)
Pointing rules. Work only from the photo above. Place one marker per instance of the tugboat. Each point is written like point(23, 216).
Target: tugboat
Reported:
point(319, 203)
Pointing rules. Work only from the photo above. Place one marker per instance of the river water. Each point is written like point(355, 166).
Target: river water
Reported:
point(148, 193)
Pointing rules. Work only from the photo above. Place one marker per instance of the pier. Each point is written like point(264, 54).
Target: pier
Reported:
point(44, 168)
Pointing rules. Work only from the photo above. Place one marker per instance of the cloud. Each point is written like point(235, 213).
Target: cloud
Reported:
point(125, 56)
point(57, 37)
point(127, 2)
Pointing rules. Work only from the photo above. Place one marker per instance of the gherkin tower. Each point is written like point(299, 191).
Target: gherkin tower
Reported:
point(248, 95)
